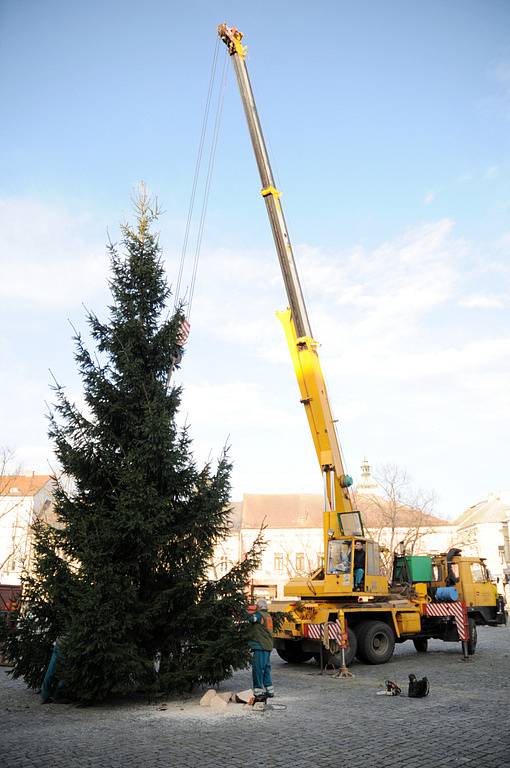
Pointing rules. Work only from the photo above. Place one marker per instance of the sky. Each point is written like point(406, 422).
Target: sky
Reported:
point(388, 129)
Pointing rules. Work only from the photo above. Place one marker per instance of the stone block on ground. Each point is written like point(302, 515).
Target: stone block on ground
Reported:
point(226, 695)
point(245, 696)
point(218, 704)
point(208, 696)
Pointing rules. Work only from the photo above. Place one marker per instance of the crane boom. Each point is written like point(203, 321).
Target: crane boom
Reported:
point(302, 346)
point(232, 38)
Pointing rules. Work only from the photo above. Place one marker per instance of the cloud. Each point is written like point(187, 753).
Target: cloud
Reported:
point(49, 257)
point(231, 403)
point(412, 375)
point(429, 198)
point(481, 301)
point(492, 172)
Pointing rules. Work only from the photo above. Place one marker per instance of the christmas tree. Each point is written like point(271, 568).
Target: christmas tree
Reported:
point(122, 580)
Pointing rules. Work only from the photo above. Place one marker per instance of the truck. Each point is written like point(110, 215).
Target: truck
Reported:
point(339, 615)
point(10, 596)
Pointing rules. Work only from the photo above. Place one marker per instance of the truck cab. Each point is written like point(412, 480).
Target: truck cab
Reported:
point(471, 578)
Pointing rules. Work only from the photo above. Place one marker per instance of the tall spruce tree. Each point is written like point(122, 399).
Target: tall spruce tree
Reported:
point(122, 579)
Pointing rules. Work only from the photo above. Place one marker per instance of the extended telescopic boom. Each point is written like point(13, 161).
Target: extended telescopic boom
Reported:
point(303, 347)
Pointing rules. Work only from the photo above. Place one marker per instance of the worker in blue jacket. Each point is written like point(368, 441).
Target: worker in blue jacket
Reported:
point(261, 644)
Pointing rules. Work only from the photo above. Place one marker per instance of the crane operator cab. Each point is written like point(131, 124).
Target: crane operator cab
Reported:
point(353, 561)
point(353, 565)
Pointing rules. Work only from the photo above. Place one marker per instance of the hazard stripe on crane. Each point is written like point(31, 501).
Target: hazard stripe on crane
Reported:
point(456, 610)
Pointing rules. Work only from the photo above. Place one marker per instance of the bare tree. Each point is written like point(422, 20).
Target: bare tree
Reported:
point(403, 512)
point(304, 565)
point(11, 511)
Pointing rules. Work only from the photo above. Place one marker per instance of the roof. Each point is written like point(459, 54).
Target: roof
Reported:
point(375, 512)
point(494, 509)
point(306, 511)
point(235, 514)
point(22, 485)
point(296, 510)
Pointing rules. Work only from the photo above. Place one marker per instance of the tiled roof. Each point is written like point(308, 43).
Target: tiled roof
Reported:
point(235, 515)
point(282, 510)
point(306, 511)
point(376, 512)
point(22, 485)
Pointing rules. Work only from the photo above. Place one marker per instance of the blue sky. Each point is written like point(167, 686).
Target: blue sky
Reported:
point(387, 125)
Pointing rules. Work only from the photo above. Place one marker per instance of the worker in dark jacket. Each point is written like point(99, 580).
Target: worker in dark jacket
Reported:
point(359, 565)
point(261, 644)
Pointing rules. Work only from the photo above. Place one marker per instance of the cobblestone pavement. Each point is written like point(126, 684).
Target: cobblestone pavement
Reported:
point(465, 721)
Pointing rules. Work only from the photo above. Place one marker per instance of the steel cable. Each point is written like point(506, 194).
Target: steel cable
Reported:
point(197, 173)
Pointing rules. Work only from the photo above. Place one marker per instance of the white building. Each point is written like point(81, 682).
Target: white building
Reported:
point(293, 530)
point(23, 500)
point(484, 530)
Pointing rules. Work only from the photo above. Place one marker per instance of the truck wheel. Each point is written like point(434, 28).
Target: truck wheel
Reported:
point(473, 637)
point(334, 659)
point(294, 654)
point(420, 643)
point(376, 642)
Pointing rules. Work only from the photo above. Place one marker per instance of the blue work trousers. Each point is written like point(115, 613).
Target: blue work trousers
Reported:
point(261, 672)
point(358, 576)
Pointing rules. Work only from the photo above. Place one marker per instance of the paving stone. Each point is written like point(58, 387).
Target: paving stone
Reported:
point(327, 723)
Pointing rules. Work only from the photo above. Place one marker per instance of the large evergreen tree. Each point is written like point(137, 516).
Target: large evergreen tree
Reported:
point(122, 579)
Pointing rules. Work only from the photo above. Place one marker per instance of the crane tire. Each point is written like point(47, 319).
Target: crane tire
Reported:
point(294, 654)
point(421, 644)
point(376, 642)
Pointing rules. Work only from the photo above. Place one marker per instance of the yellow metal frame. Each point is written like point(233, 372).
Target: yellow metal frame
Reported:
point(307, 367)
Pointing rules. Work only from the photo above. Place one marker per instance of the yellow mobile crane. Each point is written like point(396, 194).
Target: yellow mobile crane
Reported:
point(376, 618)
point(342, 524)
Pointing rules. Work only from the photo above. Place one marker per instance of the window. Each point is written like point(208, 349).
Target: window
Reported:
point(437, 572)
point(373, 559)
point(339, 556)
point(278, 563)
point(478, 573)
point(223, 564)
point(320, 560)
point(300, 561)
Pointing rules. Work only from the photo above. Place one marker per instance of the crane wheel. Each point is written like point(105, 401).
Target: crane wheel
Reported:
point(294, 654)
point(376, 642)
point(421, 644)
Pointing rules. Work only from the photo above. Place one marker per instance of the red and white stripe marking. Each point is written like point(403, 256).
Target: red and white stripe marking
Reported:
point(183, 333)
point(456, 610)
point(316, 632)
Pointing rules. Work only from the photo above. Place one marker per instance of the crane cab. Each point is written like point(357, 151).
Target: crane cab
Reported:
point(352, 563)
point(353, 567)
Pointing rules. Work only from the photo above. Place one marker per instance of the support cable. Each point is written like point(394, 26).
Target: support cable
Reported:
point(212, 157)
point(196, 175)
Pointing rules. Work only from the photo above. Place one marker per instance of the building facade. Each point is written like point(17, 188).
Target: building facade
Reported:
point(293, 530)
point(483, 530)
point(23, 500)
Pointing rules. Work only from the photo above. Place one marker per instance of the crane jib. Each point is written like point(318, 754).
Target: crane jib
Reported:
point(302, 346)
point(273, 205)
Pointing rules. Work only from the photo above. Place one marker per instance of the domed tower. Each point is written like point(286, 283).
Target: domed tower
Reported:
point(367, 484)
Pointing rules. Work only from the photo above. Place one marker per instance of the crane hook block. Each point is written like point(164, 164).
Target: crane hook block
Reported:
point(345, 481)
point(232, 38)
